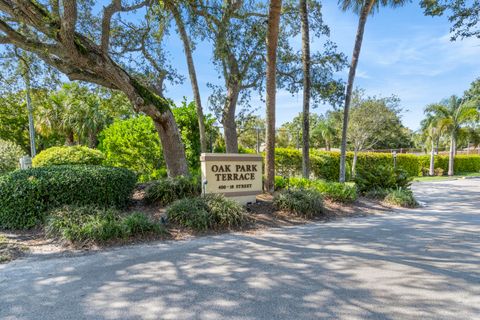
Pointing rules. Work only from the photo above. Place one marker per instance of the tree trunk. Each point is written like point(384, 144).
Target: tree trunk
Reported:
point(354, 162)
point(69, 138)
point(92, 139)
point(432, 159)
point(451, 159)
point(351, 77)
point(193, 76)
point(306, 89)
point(271, 84)
point(157, 108)
point(229, 124)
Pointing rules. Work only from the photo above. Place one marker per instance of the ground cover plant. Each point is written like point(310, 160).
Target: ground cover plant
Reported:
point(215, 212)
point(167, 190)
point(82, 224)
point(27, 195)
point(306, 203)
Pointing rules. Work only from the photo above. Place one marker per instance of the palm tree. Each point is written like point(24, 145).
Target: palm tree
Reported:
point(364, 8)
point(272, 43)
point(306, 88)
point(452, 115)
point(326, 130)
point(432, 131)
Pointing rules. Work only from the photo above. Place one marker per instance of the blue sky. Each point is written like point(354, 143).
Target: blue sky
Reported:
point(404, 53)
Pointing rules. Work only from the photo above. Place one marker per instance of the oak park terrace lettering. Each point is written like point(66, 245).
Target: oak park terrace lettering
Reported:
point(239, 172)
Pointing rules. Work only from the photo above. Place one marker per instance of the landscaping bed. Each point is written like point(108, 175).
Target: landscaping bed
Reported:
point(263, 215)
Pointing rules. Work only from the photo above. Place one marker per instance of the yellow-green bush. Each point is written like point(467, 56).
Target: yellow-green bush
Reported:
point(73, 155)
point(326, 164)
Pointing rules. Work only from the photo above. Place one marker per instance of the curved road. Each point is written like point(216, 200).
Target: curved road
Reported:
point(410, 264)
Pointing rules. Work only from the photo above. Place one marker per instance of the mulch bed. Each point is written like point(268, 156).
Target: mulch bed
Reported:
point(263, 215)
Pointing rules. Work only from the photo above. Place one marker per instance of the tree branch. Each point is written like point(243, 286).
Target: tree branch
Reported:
point(68, 23)
point(114, 7)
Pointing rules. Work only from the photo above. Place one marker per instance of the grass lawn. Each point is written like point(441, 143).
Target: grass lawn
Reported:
point(442, 178)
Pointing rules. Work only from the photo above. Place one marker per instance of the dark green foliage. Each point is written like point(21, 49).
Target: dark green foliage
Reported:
point(26, 195)
point(377, 193)
point(167, 190)
point(302, 202)
point(134, 144)
point(401, 197)
point(55, 156)
point(92, 224)
point(381, 177)
point(211, 212)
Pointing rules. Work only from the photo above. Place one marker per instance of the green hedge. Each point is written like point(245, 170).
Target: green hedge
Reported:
point(26, 195)
point(55, 156)
point(326, 164)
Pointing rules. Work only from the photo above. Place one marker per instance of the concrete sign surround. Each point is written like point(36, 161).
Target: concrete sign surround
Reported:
point(237, 176)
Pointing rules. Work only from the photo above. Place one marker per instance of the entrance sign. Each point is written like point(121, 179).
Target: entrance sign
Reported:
point(237, 176)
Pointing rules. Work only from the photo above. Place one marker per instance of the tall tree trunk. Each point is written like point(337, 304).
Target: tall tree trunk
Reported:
point(351, 77)
point(69, 138)
point(228, 120)
point(306, 89)
point(92, 139)
point(451, 158)
point(354, 162)
point(271, 82)
point(192, 74)
point(431, 172)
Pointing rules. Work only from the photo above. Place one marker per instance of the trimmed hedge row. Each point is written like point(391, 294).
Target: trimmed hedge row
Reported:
point(326, 164)
point(26, 195)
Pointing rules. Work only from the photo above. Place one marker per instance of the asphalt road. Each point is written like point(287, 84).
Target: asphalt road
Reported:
point(410, 264)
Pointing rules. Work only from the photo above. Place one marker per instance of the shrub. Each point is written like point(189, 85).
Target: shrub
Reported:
point(134, 144)
point(280, 183)
point(226, 213)
point(377, 193)
point(401, 197)
point(93, 224)
point(336, 191)
point(167, 190)
point(326, 164)
point(211, 212)
point(10, 155)
point(302, 202)
point(26, 195)
point(439, 172)
point(381, 177)
point(333, 191)
point(55, 156)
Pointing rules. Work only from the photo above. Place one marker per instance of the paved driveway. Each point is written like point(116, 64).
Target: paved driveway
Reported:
point(410, 264)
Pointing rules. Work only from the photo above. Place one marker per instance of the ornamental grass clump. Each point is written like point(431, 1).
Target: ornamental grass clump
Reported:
point(212, 212)
point(401, 197)
point(90, 224)
point(166, 191)
point(306, 203)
